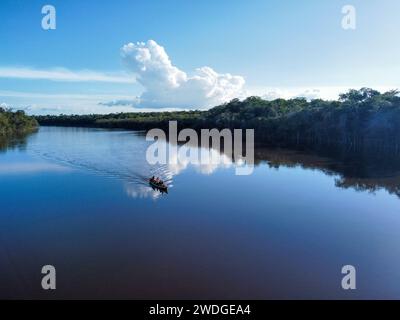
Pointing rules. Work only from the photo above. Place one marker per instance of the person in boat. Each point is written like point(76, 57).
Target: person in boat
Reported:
point(156, 180)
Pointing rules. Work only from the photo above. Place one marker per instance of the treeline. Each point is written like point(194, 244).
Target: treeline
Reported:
point(131, 120)
point(15, 123)
point(359, 118)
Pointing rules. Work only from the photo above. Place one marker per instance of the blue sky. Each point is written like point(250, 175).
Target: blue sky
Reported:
point(278, 48)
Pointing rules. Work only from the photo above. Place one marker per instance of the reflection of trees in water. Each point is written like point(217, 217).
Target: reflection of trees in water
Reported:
point(13, 142)
point(362, 170)
point(392, 185)
point(365, 170)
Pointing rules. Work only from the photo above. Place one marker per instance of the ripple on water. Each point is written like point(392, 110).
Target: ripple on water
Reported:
point(115, 154)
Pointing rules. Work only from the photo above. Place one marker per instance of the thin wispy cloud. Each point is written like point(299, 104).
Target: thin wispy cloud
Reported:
point(309, 93)
point(113, 103)
point(63, 74)
point(56, 103)
point(67, 103)
point(22, 94)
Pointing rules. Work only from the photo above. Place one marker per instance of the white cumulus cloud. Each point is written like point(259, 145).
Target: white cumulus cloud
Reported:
point(167, 86)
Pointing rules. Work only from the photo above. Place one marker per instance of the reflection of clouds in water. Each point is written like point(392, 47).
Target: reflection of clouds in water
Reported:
point(205, 161)
point(141, 191)
point(27, 167)
point(120, 155)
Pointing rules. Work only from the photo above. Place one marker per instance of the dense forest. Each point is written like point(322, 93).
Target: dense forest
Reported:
point(15, 123)
point(359, 118)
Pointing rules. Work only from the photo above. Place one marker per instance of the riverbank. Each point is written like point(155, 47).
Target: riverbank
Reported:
point(360, 119)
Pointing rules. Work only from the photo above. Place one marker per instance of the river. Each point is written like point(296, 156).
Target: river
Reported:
point(78, 199)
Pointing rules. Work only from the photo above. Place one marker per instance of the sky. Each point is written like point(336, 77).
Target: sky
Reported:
point(129, 55)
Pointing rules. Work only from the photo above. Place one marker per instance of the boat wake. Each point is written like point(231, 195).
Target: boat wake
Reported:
point(114, 154)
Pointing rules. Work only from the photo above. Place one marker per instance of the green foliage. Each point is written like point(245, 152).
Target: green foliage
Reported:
point(14, 123)
point(360, 117)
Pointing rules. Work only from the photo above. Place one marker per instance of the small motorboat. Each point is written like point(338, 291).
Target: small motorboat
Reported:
point(160, 186)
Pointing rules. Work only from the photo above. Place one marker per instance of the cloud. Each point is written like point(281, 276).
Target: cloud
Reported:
point(166, 86)
point(119, 103)
point(141, 191)
point(310, 93)
point(206, 162)
point(66, 103)
point(62, 74)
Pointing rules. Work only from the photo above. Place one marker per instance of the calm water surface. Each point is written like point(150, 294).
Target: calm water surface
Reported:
point(78, 199)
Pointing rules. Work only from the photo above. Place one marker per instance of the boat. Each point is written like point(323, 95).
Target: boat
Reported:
point(162, 187)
